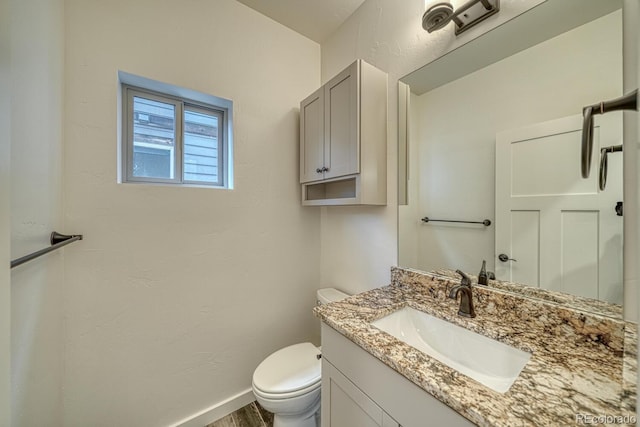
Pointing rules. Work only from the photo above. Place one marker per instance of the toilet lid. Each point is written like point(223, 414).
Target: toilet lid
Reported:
point(289, 369)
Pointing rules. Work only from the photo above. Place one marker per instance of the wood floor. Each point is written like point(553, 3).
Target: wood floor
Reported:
point(252, 415)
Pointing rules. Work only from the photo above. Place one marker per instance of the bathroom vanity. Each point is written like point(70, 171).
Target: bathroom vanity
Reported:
point(581, 364)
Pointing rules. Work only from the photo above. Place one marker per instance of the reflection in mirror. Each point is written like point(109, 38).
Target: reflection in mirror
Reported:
point(502, 141)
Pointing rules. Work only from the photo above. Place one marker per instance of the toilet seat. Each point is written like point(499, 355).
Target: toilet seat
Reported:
point(289, 372)
point(283, 396)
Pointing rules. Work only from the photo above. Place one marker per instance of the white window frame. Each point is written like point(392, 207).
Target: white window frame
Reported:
point(129, 93)
point(183, 100)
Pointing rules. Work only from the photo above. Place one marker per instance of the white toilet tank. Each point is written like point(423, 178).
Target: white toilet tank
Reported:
point(327, 295)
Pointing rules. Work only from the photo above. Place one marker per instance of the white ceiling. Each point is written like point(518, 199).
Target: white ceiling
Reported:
point(315, 19)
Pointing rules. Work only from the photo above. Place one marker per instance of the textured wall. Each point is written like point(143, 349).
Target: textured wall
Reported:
point(176, 294)
point(37, 334)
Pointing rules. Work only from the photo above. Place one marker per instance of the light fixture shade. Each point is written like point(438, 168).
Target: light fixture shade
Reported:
point(437, 15)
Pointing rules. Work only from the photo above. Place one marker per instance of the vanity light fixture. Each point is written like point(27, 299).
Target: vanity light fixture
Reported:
point(438, 14)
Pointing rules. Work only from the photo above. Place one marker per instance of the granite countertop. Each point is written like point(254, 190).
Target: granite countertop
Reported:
point(589, 305)
point(581, 364)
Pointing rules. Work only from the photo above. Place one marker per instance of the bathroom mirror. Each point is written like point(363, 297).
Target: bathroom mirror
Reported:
point(493, 133)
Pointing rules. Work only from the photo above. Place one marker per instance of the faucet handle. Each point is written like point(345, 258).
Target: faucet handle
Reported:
point(466, 281)
point(466, 301)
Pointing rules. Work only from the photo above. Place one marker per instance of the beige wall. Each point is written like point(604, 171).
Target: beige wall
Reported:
point(359, 244)
point(37, 335)
point(176, 294)
point(5, 224)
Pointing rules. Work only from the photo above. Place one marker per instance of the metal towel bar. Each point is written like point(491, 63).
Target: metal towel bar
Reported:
point(485, 222)
point(602, 181)
point(57, 241)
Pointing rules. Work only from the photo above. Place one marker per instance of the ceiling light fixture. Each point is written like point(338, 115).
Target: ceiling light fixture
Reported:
point(438, 14)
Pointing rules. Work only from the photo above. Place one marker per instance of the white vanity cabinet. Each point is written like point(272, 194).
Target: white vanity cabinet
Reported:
point(346, 405)
point(359, 390)
point(343, 139)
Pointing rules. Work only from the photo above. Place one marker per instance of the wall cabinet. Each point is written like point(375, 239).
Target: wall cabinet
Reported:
point(360, 390)
point(343, 139)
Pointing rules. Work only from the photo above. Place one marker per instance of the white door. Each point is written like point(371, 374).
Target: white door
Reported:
point(561, 230)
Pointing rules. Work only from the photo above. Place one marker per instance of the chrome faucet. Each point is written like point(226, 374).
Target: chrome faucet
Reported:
point(466, 300)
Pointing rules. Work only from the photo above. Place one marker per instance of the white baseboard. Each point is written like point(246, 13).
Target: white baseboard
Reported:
point(217, 411)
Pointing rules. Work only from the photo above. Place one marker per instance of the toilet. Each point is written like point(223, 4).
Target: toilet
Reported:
point(287, 382)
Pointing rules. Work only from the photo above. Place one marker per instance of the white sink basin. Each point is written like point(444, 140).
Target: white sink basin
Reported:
point(487, 361)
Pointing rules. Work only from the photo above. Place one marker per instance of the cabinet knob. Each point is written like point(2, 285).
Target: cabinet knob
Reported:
point(319, 170)
point(325, 169)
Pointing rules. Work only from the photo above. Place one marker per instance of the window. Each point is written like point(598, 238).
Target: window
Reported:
point(175, 140)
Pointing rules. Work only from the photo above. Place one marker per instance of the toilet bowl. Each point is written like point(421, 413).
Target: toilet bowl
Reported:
point(287, 382)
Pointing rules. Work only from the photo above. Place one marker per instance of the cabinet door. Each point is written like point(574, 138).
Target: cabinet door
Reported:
point(341, 124)
point(345, 405)
point(312, 137)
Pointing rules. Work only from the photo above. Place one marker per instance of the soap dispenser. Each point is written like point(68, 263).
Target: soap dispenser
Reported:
point(482, 276)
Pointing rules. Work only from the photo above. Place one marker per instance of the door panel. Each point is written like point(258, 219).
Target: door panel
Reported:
point(312, 137)
point(341, 124)
point(562, 230)
point(525, 231)
point(579, 257)
point(345, 405)
point(347, 411)
point(543, 166)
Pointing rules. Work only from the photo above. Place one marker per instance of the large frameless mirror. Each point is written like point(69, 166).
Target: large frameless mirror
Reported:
point(491, 132)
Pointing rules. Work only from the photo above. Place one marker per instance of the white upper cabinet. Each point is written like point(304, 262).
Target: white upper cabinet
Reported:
point(343, 139)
